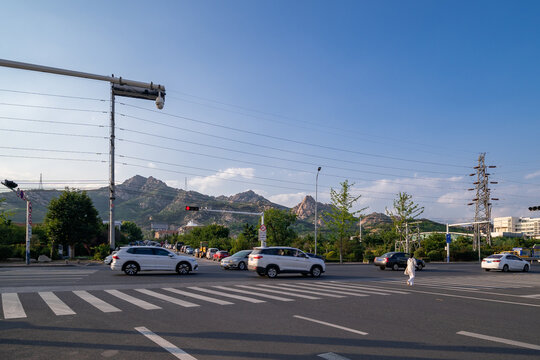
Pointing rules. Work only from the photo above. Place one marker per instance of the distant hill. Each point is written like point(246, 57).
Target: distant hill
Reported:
point(145, 200)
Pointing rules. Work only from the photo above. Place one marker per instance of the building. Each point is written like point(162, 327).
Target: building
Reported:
point(511, 226)
point(158, 226)
point(163, 233)
point(187, 228)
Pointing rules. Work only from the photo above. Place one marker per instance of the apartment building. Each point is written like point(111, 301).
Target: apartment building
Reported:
point(516, 226)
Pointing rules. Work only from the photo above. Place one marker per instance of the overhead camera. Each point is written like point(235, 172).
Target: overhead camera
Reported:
point(160, 101)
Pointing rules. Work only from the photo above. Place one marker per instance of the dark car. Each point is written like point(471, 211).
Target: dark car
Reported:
point(395, 260)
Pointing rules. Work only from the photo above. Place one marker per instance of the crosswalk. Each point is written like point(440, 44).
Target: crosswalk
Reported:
point(468, 283)
point(19, 276)
point(63, 303)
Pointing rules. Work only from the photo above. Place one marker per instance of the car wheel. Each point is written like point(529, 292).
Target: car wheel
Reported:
point(316, 271)
point(261, 273)
point(395, 267)
point(487, 269)
point(420, 267)
point(526, 268)
point(271, 272)
point(505, 268)
point(242, 265)
point(183, 268)
point(131, 268)
point(382, 267)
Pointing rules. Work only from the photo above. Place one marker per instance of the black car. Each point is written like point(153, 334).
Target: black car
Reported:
point(395, 260)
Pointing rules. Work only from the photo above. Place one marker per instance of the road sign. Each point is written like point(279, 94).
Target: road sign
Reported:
point(263, 228)
point(262, 235)
point(448, 238)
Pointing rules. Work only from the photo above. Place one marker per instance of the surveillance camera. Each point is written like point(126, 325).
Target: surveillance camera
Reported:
point(160, 101)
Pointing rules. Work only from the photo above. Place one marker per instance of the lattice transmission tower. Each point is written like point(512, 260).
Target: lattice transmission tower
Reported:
point(482, 202)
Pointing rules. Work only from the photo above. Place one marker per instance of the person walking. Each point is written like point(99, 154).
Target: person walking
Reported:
point(411, 270)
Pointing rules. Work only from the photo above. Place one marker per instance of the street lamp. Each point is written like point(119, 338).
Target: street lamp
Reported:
point(316, 191)
point(21, 194)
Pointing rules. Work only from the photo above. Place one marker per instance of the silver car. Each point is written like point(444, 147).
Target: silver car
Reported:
point(236, 261)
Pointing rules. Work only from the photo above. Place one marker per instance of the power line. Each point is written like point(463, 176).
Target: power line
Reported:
point(56, 134)
point(51, 121)
point(54, 95)
point(54, 108)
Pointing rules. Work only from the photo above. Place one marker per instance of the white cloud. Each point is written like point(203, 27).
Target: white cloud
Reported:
point(532, 175)
point(289, 200)
point(219, 180)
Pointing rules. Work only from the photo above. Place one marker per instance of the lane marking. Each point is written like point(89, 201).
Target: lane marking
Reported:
point(287, 287)
point(534, 296)
point(133, 300)
point(351, 288)
point(95, 302)
point(331, 325)
point(332, 356)
point(57, 306)
point(200, 297)
point(273, 297)
point(323, 289)
point(499, 340)
point(370, 288)
point(173, 349)
point(167, 298)
point(12, 306)
point(219, 293)
point(258, 288)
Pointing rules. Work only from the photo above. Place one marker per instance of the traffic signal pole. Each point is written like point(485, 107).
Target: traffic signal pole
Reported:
point(22, 195)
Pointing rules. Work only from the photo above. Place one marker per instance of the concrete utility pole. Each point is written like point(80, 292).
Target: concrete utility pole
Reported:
point(120, 87)
point(22, 195)
point(316, 193)
point(482, 213)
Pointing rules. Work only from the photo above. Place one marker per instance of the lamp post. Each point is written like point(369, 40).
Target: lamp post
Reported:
point(316, 193)
point(119, 87)
point(21, 194)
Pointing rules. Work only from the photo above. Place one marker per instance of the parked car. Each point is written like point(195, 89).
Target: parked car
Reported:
point(188, 250)
point(222, 254)
point(505, 262)
point(238, 260)
point(395, 260)
point(210, 253)
point(196, 252)
point(271, 261)
point(108, 259)
point(131, 260)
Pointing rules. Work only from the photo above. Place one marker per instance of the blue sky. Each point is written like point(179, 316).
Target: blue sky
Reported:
point(392, 95)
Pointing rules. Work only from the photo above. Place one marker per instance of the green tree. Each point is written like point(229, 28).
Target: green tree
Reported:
point(71, 219)
point(405, 210)
point(278, 224)
point(340, 220)
point(131, 231)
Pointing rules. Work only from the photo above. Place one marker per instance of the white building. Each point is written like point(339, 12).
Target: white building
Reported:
point(514, 226)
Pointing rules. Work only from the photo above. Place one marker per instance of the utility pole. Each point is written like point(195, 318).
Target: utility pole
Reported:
point(22, 195)
point(482, 213)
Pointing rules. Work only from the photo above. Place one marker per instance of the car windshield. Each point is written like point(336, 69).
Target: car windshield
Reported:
point(387, 254)
point(243, 253)
point(497, 256)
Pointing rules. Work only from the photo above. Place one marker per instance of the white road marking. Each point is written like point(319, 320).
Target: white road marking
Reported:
point(219, 293)
point(332, 356)
point(288, 293)
point(288, 287)
point(12, 306)
point(331, 325)
point(133, 300)
point(200, 297)
point(499, 340)
point(167, 298)
point(369, 287)
point(94, 301)
point(323, 289)
point(57, 306)
point(475, 298)
point(173, 349)
point(279, 298)
point(533, 296)
point(351, 288)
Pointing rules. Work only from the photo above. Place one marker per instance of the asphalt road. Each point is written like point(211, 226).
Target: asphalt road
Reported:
point(455, 311)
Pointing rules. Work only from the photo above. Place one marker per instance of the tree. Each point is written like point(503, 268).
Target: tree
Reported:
point(132, 231)
point(340, 220)
point(71, 219)
point(279, 222)
point(405, 210)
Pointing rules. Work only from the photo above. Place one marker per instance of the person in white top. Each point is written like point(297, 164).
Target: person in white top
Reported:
point(411, 270)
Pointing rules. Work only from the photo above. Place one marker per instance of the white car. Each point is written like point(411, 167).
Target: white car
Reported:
point(133, 259)
point(271, 261)
point(505, 262)
point(108, 259)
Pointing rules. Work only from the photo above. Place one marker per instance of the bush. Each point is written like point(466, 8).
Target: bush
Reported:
point(331, 256)
point(369, 256)
point(435, 255)
point(419, 253)
point(101, 251)
point(6, 251)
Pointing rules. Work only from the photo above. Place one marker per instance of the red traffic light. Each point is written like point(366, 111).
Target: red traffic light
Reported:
point(192, 208)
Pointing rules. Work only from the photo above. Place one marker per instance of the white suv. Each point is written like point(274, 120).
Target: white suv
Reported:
point(271, 261)
point(133, 259)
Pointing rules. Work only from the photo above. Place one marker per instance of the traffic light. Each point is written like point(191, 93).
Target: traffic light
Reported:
point(192, 208)
point(10, 184)
point(534, 208)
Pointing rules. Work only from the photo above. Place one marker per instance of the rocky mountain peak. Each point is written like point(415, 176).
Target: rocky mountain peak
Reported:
point(247, 197)
point(306, 208)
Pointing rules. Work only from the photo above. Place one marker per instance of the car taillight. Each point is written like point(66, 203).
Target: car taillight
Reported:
point(385, 260)
point(257, 257)
point(496, 260)
point(115, 257)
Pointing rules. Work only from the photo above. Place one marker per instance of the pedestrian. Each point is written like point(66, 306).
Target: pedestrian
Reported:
point(411, 270)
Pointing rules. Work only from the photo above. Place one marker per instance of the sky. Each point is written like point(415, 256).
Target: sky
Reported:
point(393, 96)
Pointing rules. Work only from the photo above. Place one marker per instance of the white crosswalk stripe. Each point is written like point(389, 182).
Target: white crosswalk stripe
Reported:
point(220, 293)
point(200, 297)
point(96, 302)
point(167, 298)
point(12, 306)
point(133, 300)
point(376, 289)
point(56, 305)
point(351, 288)
point(284, 287)
point(288, 293)
point(278, 298)
point(321, 289)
